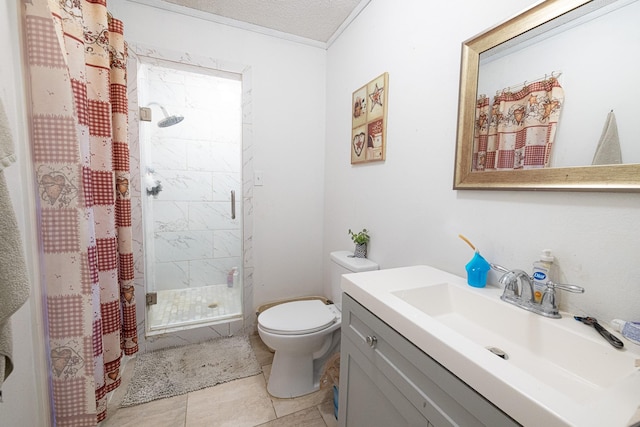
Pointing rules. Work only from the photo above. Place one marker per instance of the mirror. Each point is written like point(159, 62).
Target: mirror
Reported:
point(496, 61)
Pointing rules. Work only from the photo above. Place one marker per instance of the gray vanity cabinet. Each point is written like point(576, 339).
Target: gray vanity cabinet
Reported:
point(387, 381)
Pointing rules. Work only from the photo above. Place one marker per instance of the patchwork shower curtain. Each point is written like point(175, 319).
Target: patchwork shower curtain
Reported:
point(527, 125)
point(77, 64)
point(481, 134)
point(521, 127)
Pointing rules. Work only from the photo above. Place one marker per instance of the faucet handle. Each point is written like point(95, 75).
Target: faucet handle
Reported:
point(569, 288)
point(499, 268)
point(549, 305)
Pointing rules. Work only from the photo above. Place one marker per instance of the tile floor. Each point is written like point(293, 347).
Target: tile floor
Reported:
point(240, 403)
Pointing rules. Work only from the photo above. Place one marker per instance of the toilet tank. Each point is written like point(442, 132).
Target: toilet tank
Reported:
point(343, 262)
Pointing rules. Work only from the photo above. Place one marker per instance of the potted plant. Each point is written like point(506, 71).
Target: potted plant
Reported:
point(360, 239)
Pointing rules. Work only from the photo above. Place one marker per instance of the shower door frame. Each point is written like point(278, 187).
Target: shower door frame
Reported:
point(139, 54)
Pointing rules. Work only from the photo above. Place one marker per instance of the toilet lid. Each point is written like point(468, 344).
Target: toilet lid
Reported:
point(297, 317)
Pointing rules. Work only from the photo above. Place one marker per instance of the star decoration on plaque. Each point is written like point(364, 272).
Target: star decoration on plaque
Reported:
point(376, 96)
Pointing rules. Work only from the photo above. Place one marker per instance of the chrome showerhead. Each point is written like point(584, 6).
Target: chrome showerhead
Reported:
point(168, 120)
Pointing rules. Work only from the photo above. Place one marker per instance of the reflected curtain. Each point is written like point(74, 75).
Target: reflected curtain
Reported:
point(77, 58)
point(481, 134)
point(492, 136)
point(526, 123)
point(519, 129)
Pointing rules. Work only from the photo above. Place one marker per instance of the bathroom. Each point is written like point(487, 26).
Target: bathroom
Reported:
point(311, 194)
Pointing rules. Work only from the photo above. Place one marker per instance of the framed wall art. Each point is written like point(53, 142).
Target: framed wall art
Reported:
point(369, 121)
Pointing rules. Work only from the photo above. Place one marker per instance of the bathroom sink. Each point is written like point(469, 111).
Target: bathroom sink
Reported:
point(573, 363)
point(540, 371)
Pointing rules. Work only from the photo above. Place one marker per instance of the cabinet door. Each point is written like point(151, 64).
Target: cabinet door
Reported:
point(373, 401)
point(401, 371)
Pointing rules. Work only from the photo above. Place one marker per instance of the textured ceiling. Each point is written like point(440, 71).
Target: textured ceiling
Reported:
point(317, 20)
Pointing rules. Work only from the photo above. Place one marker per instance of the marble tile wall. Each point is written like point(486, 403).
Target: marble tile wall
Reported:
point(198, 164)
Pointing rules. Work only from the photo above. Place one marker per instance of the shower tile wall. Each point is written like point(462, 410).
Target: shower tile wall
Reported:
point(198, 164)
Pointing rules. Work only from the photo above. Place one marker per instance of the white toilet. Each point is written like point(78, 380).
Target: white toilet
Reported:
point(305, 333)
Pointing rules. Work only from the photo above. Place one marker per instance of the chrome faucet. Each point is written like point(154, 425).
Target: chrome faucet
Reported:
point(518, 290)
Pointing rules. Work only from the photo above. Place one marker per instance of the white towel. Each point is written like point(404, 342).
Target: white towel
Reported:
point(7, 151)
point(14, 282)
point(608, 150)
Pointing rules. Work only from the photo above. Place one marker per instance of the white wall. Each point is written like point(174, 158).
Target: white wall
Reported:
point(288, 95)
point(27, 383)
point(408, 203)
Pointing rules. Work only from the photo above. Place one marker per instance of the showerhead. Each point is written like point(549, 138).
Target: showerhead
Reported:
point(168, 120)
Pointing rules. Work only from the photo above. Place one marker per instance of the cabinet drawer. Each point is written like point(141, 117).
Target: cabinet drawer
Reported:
point(440, 396)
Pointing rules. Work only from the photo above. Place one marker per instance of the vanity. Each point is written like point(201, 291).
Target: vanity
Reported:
point(422, 348)
point(391, 382)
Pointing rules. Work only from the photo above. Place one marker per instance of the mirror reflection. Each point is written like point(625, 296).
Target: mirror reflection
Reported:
point(547, 97)
point(562, 84)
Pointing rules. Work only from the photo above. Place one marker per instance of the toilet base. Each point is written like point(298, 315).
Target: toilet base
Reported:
point(297, 374)
point(291, 376)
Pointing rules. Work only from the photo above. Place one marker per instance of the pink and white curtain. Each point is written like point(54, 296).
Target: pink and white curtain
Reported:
point(521, 127)
point(481, 134)
point(77, 64)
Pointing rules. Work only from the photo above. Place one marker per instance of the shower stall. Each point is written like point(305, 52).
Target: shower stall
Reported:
point(191, 188)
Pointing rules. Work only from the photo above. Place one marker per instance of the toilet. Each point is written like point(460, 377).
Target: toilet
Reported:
point(306, 333)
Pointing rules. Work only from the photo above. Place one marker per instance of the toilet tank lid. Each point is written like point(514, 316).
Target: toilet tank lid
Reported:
point(351, 263)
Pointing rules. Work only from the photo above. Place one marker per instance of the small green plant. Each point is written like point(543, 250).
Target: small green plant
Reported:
point(361, 237)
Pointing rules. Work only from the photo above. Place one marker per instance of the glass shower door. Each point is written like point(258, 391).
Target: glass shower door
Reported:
point(192, 178)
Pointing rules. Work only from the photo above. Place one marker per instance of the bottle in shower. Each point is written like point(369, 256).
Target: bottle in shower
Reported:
point(232, 277)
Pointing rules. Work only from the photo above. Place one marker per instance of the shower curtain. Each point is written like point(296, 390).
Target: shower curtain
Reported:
point(480, 134)
point(525, 125)
point(518, 131)
point(77, 65)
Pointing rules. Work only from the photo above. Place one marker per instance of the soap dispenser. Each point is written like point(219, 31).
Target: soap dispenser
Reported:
point(541, 274)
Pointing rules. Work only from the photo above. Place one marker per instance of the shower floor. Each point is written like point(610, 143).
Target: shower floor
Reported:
point(187, 306)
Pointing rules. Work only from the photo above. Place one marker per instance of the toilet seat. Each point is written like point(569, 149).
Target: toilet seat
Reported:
point(297, 317)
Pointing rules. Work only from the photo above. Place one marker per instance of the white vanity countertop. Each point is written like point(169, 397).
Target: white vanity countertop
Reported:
point(517, 392)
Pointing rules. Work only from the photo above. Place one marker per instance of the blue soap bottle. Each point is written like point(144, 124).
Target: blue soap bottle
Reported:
point(477, 270)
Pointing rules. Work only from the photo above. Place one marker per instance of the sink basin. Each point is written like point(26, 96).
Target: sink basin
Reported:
point(556, 372)
point(578, 365)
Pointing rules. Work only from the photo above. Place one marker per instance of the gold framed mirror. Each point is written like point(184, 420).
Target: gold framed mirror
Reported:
point(551, 17)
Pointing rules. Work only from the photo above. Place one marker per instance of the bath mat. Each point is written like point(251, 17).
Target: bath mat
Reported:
point(179, 370)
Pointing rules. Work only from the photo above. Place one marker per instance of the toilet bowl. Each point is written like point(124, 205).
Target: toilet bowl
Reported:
point(305, 333)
